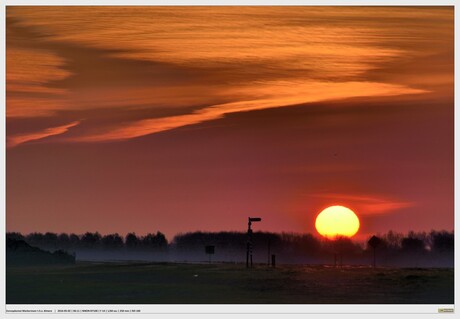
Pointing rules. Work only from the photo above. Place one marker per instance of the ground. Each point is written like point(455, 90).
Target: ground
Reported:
point(168, 283)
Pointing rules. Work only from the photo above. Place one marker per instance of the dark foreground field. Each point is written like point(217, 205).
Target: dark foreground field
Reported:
point(130, 283)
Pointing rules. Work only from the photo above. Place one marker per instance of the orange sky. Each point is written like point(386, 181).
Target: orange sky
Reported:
point(187, 118)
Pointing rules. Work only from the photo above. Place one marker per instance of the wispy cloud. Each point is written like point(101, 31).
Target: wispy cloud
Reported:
point(270, 95)
point(18, 139)
point(368, 204)
point(201, 64)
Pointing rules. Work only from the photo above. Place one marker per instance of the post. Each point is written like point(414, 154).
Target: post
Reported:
point(250, 247)
point(273, 261)
point(249, 242)
point(247, 254)
point(209, 250)
point(268, 255)
point(374, 242)
point(374, 258)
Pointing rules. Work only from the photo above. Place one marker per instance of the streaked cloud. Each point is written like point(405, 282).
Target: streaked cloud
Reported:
point(203, 63)
point(367, 204)
point(15, 140)
point(28, 72)
point(271, 96)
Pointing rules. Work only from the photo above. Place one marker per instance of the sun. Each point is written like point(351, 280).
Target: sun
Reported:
point(337, 221)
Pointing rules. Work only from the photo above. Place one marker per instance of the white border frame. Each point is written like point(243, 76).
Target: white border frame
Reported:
point(199, 311)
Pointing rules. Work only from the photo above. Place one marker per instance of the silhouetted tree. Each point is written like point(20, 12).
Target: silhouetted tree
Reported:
point(305, 243)
point(50, 239)
point(344, 245)
point(412, 244)
point(36, 239)
point(74, 240)
point(442, 241)
point(132, 241)
point(91, 240)
point(15, 236)
point(63, 241)
point(391, 241)
point(112, 241)
point(157, 241)
point(160, 240)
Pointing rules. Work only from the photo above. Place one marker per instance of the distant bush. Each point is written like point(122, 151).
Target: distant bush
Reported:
point(442, 241)
point(19, 253)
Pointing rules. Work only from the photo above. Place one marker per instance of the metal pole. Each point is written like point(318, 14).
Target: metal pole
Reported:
point(268, 256)
point(249, 242)
point(374, 257)
point(248, 245)
point(247, 255)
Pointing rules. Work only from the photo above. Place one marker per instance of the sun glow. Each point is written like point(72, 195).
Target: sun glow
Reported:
point(337, 221)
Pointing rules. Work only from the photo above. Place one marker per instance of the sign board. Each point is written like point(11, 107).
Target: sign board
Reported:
point(374, 241)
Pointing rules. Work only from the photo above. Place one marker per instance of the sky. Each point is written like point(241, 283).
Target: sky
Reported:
point(178, 119)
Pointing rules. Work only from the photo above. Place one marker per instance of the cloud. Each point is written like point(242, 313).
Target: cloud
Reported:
point(270, 94)
point(367, 204)
point(18, 139)
point(202, 64)
point(28, 73)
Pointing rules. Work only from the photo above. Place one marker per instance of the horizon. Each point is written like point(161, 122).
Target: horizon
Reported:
point(359, 240)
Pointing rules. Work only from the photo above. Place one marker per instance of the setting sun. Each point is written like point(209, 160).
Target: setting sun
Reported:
point(337, 221)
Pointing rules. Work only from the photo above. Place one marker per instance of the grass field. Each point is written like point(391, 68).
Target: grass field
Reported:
point(147, 283)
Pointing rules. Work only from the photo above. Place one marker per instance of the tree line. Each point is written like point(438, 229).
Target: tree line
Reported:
point(391, 244)
point(432, 249)
point(434, 241)
point(89, 240)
